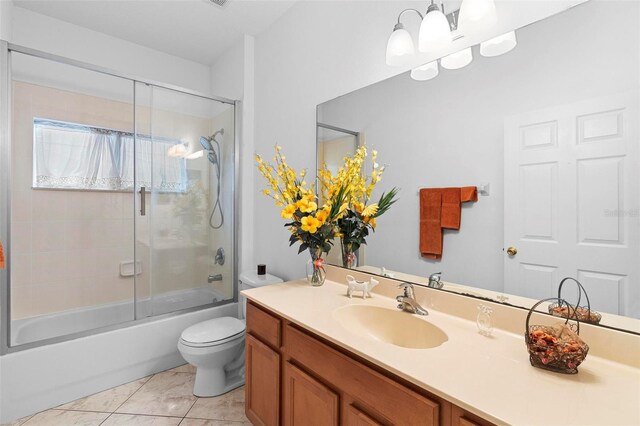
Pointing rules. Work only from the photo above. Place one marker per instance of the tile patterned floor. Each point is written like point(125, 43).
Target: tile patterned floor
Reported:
point(164, 399)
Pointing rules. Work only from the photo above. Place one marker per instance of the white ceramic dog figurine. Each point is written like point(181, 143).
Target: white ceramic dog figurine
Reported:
point(363, 286)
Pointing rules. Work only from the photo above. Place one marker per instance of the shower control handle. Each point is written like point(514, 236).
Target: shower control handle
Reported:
point(143, 203)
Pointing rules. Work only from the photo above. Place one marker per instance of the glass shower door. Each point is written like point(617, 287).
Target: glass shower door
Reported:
point(71, 218)
point(184, 205)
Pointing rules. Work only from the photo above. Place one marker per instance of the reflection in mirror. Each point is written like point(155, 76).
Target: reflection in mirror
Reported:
point(552, 128)
point(333, 145)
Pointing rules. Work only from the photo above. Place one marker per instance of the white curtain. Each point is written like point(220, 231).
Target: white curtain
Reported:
point(74, 156)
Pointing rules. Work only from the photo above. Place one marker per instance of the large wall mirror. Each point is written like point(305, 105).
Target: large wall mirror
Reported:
point(549, 131)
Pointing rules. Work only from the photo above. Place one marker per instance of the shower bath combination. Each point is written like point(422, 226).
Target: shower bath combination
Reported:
point(214, 156)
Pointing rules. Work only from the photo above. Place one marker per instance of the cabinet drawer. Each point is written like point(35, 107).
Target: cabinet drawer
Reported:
point(264, 326)
point(392, 401)
point(461, 417)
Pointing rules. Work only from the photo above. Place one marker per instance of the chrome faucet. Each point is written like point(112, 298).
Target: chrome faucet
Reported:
point(213, 278)
point(434, 280)
point(408, 301)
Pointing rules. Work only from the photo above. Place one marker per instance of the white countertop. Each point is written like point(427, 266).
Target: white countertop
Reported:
point(489, 376)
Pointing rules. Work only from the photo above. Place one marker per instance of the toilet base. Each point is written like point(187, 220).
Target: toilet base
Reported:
point(216, 381)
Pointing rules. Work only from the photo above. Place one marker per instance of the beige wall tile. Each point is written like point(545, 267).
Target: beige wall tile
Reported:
point(20, 270)
point(20, 238)
point(48, 235)
point(21, 205)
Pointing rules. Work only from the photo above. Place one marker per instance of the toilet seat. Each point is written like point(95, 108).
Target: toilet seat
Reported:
point(213, 332)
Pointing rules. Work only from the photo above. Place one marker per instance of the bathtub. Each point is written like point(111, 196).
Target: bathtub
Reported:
point(72, 321)
point(43, 377)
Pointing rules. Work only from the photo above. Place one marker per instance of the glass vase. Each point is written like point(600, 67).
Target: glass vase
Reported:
point(315, 267)
point(349, 259)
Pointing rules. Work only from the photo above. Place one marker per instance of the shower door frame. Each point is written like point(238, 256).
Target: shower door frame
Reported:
point(5, 192)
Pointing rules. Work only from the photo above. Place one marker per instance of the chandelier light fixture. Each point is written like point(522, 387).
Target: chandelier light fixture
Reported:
point(498, 45)
point(437, 32)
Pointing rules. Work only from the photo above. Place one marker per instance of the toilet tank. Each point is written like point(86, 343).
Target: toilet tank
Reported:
point(250, 279)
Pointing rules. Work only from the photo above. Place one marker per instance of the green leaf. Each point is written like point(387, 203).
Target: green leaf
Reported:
point(386, 201)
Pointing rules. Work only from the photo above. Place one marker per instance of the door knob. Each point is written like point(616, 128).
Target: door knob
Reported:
point(512, 251)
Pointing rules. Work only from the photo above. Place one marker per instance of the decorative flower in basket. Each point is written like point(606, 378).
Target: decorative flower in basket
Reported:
point(582, 313)
point(360, 215)
point(310, 225)
point(558, 347)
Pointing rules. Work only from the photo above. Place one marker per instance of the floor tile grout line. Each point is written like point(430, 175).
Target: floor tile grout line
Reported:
point(148, 415)
point(109, 416)
point(59, 407)
point(190, 408)
point(135, 392)
point(78, 411)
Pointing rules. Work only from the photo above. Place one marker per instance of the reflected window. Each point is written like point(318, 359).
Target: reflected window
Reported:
point(76, 156)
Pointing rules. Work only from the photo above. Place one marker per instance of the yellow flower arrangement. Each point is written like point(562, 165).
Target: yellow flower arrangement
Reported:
point(356, 215)
point(309, 224)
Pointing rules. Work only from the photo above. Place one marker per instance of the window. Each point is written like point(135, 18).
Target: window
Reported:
point(76, 156)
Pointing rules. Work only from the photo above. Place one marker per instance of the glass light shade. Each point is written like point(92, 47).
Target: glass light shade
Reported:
point(457, 60)
point(499, 45)
point(178, 150)
point(400, 47)
point(477, 15)
point(425, 72)
point(435, 33)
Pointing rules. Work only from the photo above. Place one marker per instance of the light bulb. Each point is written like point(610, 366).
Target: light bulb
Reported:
point(457, 60)
point(425, 72)
point(435, 32)
point(498, 45)
point(476, 15)
point(400, 48)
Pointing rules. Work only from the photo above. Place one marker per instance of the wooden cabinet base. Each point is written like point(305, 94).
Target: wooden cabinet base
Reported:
point(297, 378)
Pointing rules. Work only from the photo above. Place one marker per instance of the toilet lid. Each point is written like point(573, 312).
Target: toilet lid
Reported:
point(213, 330)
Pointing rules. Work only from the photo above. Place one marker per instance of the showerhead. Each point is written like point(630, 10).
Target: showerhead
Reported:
point(213, 157)
point(208, 146)
point(205, 144)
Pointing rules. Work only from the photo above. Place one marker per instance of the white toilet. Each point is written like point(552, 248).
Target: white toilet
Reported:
point(216, 347)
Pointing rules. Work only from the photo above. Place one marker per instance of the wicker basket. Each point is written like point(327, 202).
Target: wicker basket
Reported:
point(557, 348)
point(581, 313)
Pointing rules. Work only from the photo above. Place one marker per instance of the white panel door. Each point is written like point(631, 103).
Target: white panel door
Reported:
point(572, 200)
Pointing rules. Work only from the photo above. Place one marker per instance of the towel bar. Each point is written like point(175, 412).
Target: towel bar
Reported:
point(483, 189)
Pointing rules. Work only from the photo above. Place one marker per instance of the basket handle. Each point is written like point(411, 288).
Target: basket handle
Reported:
point(560, 303)
point(581, 290)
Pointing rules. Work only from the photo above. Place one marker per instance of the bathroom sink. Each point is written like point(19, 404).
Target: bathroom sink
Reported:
point(390, 326)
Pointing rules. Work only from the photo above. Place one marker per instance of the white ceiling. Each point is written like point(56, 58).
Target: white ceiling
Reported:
point(191, 29)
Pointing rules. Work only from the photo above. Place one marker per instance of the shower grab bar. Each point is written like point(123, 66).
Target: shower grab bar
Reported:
point(143, 204)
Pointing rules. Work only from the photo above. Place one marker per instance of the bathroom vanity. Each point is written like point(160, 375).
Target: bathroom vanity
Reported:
point(315, 356)
point(295, 377)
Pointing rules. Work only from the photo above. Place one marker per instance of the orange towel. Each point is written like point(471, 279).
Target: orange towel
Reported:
point(468, 193)
point(450, 218)
point(1, 256)
point(430, 226)
point(440, 208)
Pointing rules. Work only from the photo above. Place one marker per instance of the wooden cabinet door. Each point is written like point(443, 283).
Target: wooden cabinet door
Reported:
point(262, 391)
point(307, 401)
point(355, 417)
